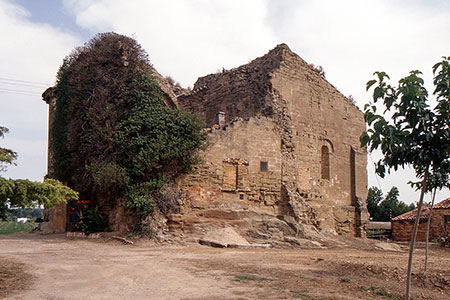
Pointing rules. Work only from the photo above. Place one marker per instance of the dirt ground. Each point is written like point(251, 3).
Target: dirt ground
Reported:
point(54, 267)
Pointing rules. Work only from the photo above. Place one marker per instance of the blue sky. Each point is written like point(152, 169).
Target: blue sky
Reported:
point(190, 38)
point(51, 12)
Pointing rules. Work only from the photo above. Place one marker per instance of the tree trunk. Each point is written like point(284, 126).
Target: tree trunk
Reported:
point(428, 231)
point(413, 238)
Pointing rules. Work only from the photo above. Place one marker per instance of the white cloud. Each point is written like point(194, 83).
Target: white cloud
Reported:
point(351, 39)
point(184, 39)
point(30, 52)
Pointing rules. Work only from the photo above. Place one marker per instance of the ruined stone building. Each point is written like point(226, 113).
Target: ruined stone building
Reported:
point(283, 154)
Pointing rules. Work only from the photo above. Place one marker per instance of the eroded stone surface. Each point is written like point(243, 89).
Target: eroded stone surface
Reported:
point(299, 139)
point(284, 157)
point(223, 237)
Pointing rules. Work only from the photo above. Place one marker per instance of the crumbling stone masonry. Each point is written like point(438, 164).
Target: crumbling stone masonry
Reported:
point(283, 158)
point(287, 147)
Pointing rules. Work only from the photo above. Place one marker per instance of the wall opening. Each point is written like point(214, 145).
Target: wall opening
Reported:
point(220, 119)
point(235, 175)
point(325, 163)
point(229, 176)
point(264, 166)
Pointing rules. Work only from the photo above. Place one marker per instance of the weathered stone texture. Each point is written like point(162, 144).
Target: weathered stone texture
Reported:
point(231, 175)
point(50, 98)
point(281, 112)
point(283, 158)
point(55, 219)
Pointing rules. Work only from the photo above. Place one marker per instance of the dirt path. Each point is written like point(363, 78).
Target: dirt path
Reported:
point(56, 268)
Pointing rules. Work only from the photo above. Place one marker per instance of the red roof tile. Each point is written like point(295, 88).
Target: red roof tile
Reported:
point(443, 204)
point(411, 215)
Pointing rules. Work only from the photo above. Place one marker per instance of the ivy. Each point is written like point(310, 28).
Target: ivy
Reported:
point(113, 137)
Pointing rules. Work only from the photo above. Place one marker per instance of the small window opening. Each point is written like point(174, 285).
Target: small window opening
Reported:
point(325, 163)
point(264, 166)
point(241, 196)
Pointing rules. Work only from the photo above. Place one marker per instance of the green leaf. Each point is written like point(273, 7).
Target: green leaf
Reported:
point(378, 93)
point(364, 139)
point(370, 83)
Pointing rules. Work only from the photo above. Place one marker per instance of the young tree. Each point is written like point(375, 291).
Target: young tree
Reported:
point(24, 193)
point(440, 178)
point(7, 156)
point(417, 135)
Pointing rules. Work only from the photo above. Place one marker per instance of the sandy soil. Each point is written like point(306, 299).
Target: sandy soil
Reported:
point(56, 268)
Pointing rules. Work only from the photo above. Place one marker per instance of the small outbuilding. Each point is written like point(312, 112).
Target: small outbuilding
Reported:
point(402, 226)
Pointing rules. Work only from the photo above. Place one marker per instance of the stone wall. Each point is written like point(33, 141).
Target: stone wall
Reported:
point(50, 98)
point(231, 175)
point(55, 219)
point(285, 157)
point(239, 92)
point(402, 230)
point(280, 111)
point(325, 129)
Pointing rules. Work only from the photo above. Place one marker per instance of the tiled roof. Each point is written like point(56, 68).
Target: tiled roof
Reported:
point(411, 215)
point(443, 204)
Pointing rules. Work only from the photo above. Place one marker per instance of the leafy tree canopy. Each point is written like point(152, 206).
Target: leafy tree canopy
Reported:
point(388, 207)
point(7, 156)
point(113, 136)
point(417, 136)
point(24, 193)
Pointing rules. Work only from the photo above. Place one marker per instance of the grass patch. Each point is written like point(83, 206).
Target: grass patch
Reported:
point(247, 278)
point(381, 291)
point(345, 280)
point(14, 227)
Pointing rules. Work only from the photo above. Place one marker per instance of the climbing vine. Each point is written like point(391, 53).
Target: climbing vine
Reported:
point(113, 136)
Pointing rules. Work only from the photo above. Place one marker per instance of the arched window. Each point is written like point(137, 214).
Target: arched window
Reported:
point(325, 163)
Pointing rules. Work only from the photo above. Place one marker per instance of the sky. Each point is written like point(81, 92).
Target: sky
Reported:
point(187, 39)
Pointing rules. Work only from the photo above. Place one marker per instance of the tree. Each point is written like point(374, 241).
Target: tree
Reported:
point(24, 193)
point(417, 135)
point(374, 197)
point(7, 156)
point(385, 209)
point(115, 140)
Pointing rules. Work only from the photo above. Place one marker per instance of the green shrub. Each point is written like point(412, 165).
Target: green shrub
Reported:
point(91, 221)
point(114, 137)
